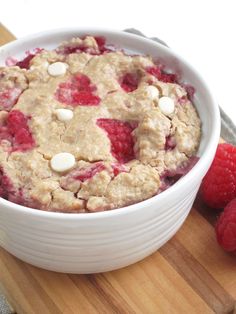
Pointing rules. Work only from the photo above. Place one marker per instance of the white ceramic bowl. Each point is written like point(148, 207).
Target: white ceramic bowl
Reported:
point(97, 242)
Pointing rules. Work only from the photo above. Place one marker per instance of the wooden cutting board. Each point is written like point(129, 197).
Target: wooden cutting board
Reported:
point(190, 274)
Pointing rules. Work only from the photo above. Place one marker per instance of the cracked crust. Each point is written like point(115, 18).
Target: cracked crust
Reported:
point(32, 181)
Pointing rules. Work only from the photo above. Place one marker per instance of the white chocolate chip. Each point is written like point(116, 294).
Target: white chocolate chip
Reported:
point(64, 114)
point(62, 162)
point(167, 105)
point(57, 68)
point(153, 92)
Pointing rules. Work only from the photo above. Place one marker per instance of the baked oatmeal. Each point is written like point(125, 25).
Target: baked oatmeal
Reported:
point(86, 128)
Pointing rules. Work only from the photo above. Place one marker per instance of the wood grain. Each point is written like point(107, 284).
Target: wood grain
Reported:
point(5, 35)
point(190, 274)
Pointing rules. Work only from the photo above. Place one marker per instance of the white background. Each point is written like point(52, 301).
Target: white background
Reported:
point(203, 32)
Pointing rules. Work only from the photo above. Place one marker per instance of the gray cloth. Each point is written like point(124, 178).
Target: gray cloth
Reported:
point(228, 129)
point(4, 307)
point(228, 132)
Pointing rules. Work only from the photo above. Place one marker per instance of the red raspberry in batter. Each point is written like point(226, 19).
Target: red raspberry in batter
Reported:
point(170, 177)
point(9, 97)
point(170, 143)
point(101, 42)
point(9, 191)
point(25, 63)
point(159, 73)
point(77, 91)
point(182, 100)
point(226, 228)
point(129, 82)
point(118, 168)
point(83, 173)
point(120, 135)
point(23, 139)
point(86, 99)
point(6, 186)
point(87, 173)
point(16, 120)
point(16, 132)
point(219, 185)
point(190, 91)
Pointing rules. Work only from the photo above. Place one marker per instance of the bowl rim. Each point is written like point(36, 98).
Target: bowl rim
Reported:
point(198, 168)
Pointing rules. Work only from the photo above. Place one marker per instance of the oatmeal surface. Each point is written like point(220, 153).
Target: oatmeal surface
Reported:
point(84, 128)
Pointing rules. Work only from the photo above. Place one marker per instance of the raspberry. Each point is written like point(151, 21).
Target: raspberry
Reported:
point(170, 177)
point(86, 99)
point(6, 185)
point(25, 63)
point(118, 168)
point(9, 191)
point(170, 143)
point(129, 82)
point(82, 83)
point(9, 97)
point(226, 228)
point(17, 131)
point(84, 173)
point(88, 172)
point(23, 139)
point(101, 42)
point(77, 91)
point(120, 135)
point(190, 91)
point(159, 73)
point(70, 48)
point(15, 121)
point(182, 100)
point(219, 185)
